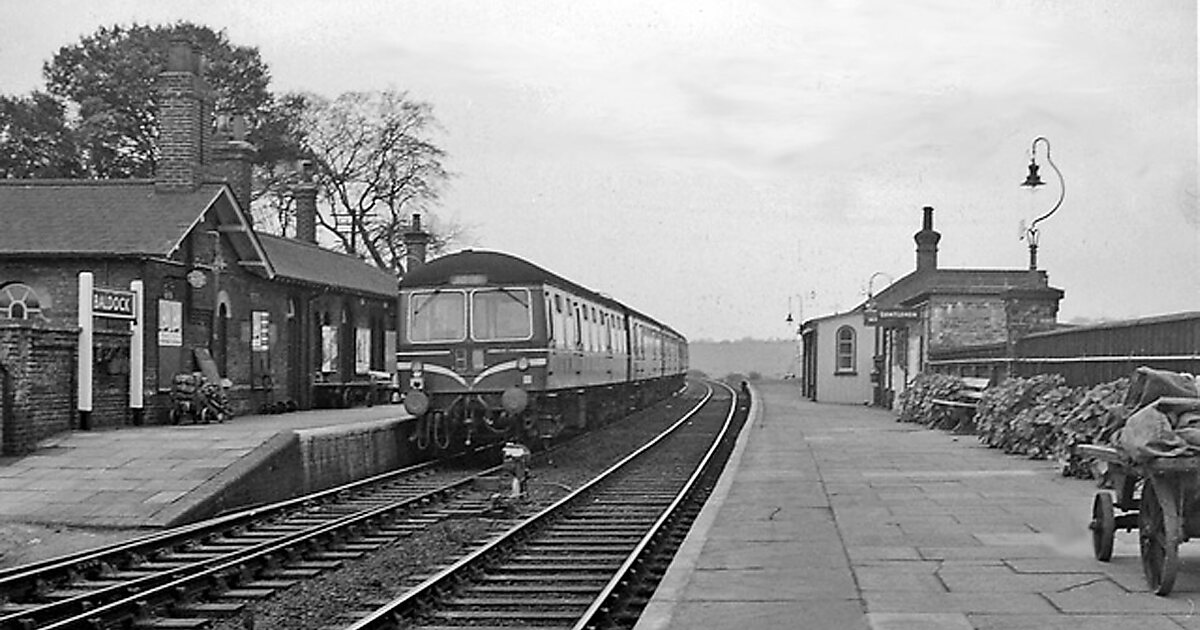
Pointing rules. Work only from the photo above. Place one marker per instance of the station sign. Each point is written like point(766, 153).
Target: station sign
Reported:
point(890, 316)
point(113, 303)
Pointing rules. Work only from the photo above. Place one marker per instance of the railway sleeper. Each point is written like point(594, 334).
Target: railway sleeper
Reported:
point(598, 577)
point(171, 623)
point(318, 565)
point(517, 616)
point(523, 589)
point(584, 535)
point(616, 558)
point(559, 566)
point(336, 555)
point(245, 593)
point(56, 594)
point(613, 528)
point(208, 609)
point(293, 574)
point(528, 603)
point(598, 522)
point(582, 544)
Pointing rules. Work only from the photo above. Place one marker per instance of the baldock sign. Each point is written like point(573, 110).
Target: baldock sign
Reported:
point(890, 316)
point(113, 303)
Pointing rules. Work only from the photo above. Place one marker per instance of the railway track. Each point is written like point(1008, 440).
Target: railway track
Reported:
point(591, 559)
point(189, 576)
point(188, 571)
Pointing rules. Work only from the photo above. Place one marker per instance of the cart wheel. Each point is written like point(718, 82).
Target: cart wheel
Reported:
point(1159, 541)
point(206, 415)
point(1103, 526)
point(174, 415)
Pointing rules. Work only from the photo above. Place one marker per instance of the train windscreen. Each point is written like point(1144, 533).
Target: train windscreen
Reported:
point(437, 316)
point(501, 315)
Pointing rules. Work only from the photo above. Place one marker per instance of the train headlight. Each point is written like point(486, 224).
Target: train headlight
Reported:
point(523, 363)
point(417, 368)
point(416, 402)
point(514, 400)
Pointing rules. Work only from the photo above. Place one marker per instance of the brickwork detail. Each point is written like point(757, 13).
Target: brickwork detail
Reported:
point(38, 391)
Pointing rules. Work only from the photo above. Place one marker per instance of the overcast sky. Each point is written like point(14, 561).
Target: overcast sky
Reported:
point(715, 164)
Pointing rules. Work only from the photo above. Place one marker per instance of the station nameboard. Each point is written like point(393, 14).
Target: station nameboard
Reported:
point(873, 317)
point(113, 303)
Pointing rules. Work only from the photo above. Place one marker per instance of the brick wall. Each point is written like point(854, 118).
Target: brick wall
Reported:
point(39, 387)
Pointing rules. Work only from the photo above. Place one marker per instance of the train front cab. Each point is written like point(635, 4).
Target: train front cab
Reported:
point(469, 357)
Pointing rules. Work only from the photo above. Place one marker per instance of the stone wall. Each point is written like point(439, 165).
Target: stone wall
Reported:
point(966, 321)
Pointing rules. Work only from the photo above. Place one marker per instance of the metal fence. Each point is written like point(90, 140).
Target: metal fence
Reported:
point(1085, 355)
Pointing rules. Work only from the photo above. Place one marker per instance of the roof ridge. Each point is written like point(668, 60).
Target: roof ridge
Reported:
point(76, 182)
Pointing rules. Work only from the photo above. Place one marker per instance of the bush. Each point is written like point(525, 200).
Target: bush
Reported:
point(1009, 416)
point(1096, 418)
point(1038, 417)
point(916, 402)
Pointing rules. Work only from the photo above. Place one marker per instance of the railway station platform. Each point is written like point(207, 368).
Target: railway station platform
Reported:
point(840, 517)
point(158, 476)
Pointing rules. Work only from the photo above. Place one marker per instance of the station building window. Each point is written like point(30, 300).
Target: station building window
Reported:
point(846, 350)
point(18, 301)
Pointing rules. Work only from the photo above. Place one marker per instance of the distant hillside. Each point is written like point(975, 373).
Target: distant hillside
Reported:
point(772, 359)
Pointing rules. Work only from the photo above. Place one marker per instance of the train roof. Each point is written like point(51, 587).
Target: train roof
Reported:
point(505, 269)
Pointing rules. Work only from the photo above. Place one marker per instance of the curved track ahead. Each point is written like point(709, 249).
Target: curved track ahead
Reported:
point(185, 577)
point(590, 559)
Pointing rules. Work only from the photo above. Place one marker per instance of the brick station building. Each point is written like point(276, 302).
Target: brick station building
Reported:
point(285, 321)
point(870, 353)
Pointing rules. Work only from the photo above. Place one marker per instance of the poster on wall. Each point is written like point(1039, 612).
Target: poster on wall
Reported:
point(362, 350)
point(170, 323)
point(329, 349)
point(260, 337)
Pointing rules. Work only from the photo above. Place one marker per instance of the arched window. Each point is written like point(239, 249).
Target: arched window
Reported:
point(845, 350)
point(18, 301)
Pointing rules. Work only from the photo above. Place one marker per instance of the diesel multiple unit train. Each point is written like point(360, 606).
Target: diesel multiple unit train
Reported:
point(493, 347)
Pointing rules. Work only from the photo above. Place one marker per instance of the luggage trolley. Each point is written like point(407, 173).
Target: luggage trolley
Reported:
point(1166, 514)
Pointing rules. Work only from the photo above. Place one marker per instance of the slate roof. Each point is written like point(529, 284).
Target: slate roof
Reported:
point(303, 262)
point(921, 283)
point(96, 217)
point(107, 218)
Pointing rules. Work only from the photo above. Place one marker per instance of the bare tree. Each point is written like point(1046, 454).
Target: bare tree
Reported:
point(375, 165)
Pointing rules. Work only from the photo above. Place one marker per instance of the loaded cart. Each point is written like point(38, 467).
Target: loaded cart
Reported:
point(1154, 471)
point(195, 396)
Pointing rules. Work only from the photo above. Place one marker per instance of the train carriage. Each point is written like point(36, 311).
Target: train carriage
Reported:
point(494, 347)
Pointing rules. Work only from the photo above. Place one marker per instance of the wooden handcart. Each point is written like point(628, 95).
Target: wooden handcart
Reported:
point(1161, 498)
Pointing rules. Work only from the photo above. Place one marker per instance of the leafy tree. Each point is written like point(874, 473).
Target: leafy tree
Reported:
point(35, 141)
point(375, 165)
point(108, 79)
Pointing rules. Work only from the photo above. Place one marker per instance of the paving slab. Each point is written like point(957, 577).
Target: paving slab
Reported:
point(841, 517)
point(133, 477)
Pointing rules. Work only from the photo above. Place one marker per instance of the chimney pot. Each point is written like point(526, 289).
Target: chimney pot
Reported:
point(927, 242)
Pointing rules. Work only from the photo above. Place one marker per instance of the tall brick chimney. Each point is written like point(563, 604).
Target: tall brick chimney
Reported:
point(927, 242)
point(183, 119)
point(232, 157)
point(305, 194)
point(416, 244)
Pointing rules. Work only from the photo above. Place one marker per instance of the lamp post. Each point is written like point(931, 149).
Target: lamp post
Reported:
point(798, 356)
point(1032, 181)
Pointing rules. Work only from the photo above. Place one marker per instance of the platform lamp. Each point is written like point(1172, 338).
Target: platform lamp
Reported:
point(1032, 181)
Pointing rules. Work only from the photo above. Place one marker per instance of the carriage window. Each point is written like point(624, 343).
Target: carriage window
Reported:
point(437, 316)
point(501, 314)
